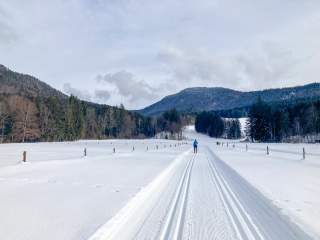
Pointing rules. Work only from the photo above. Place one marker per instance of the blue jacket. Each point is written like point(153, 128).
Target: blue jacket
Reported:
point(195, 143)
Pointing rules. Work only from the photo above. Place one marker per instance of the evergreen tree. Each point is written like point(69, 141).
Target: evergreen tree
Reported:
point(234, 131)
point(260, 121)
point(209, 123)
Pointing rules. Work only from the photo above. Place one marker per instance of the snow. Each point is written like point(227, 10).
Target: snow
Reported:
point(190, 128)
point(293, 184)
point(199, 197)
point(243, 124)
point(152, 188)
point(59, 194)
point(134, 208)
point(242, 121)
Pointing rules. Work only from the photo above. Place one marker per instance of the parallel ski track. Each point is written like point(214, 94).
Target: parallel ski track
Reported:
point(251, 214)
point(173, 224)
point(242, 223)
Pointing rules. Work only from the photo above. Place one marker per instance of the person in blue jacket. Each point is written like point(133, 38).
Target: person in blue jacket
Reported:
point(195, 146)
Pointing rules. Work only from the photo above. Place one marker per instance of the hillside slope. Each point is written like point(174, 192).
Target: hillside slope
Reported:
point(31, 110)
point(212, 99)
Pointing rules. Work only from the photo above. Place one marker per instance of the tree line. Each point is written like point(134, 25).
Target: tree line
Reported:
point(215, 126)
point(267, 122)
point(279, 122)
point(53, 119)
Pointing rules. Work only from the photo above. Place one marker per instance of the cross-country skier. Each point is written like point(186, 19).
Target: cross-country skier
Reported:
point(195, 146)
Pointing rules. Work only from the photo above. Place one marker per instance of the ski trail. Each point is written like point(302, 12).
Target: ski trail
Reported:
point(255, 216)
point(225, 206)
point(178, 206)
point(134, 208)
point(244, 226)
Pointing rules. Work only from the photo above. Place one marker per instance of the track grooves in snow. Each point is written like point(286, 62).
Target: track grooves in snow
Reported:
point(126, 223)
point(175, 218)
point(252, 214)
point(241, 221)
point(200, 197)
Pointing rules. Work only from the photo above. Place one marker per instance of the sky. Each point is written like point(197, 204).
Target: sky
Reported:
point(135, 52)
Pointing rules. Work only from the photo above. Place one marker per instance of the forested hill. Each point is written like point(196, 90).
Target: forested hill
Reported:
point(213, 99)
point(31, 110)
point(13, 83)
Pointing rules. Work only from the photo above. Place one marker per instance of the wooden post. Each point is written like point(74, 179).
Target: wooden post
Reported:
point(24, 156)
point(114, 150)
point(132, 148)
point(267, 150)
point(157, 147)
point(227, 144)
point(147, 148)
point(303, 154)
point(85, 152)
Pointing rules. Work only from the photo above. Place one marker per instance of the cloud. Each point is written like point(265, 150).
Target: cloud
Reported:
point(99, 95)
point(81, 94)
point(102, 95)
point(264, 66)
point(128, 86)
point(168, 45)
point(8, 34)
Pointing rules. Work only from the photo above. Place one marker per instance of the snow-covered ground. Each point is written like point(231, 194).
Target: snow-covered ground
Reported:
point(157, 189)
point(293, 184)
point(59, 194)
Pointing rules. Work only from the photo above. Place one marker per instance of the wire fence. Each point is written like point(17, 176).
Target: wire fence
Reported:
point(268, 149)
point(14, 154)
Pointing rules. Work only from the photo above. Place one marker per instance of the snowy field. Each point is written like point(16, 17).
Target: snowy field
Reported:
point(59, 194)
point(157, 189)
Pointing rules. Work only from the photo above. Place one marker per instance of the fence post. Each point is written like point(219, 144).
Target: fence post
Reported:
point(114, 150)
point(24, 156)
point(267, 150)
point(132, 148)
point(85, 152)
point(303, 154)
point(246, 147)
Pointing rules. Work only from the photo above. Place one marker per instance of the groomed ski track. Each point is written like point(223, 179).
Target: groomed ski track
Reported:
point(200, 197)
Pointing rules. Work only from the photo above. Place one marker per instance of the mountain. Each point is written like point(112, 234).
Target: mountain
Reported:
point(31, 110)
point(213, 99)
point(13, 83)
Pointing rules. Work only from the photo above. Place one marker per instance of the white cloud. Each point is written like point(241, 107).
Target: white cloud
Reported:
point(127, 86)
point(7, 32)
point(81, 94)
point(240, 44)
point(262, 67)
point(102, 95)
